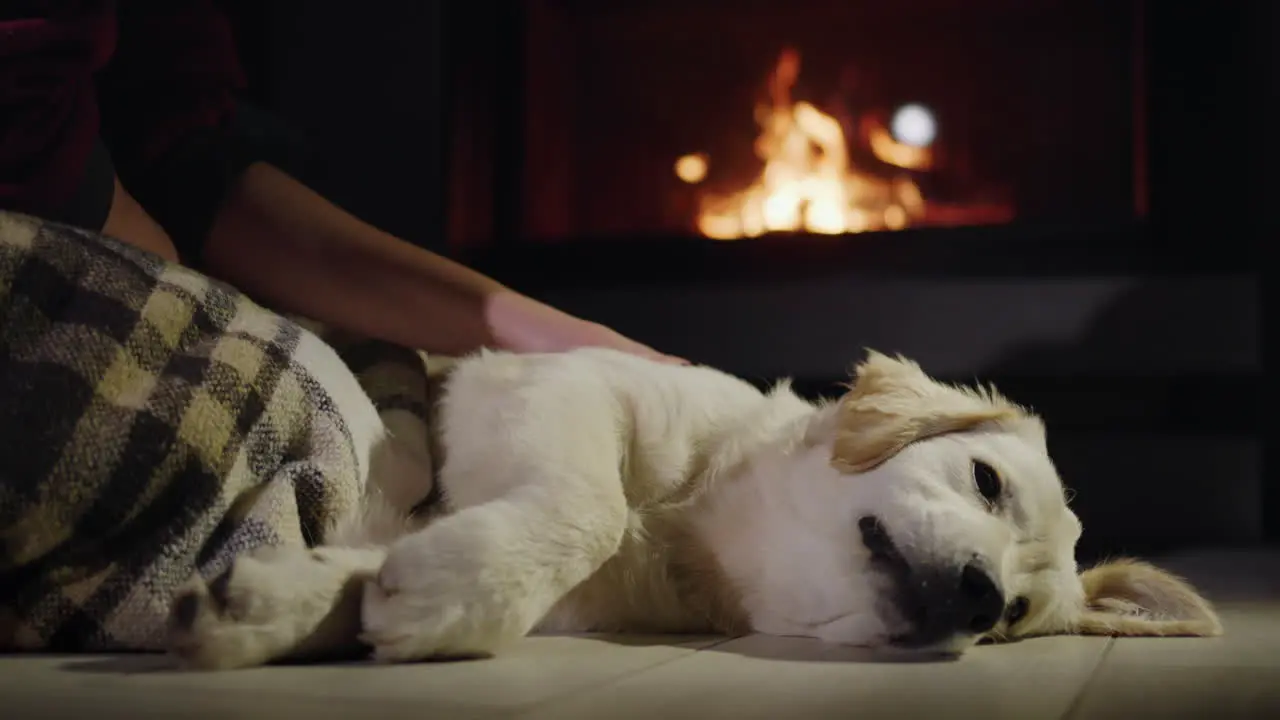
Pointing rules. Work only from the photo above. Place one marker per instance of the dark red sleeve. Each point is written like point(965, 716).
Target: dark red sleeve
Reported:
point(49, 52)
point(170, 116)
point(175, 72)
point(143, 89)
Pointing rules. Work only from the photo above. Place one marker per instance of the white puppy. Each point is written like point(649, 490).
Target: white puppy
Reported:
point(595, 491)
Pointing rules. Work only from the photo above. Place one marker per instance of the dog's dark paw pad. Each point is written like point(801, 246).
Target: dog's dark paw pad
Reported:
point(186, 608)
point(218, 589)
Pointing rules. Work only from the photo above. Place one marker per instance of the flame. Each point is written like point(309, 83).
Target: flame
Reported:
point(692, 168)
point(887, 149)
point(808, 183)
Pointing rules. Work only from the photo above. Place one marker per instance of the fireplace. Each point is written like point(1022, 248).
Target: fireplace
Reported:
point(586, 122)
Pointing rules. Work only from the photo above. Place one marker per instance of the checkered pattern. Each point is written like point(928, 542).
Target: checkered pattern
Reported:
point(155, 423)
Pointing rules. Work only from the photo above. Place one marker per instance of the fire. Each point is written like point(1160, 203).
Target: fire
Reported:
point(692, 168)
point(808, 182)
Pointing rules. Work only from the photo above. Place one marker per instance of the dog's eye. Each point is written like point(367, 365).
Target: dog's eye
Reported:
point(1016, 610)
point(987, 480)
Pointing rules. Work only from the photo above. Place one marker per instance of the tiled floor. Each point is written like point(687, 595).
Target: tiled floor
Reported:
point(566, 678)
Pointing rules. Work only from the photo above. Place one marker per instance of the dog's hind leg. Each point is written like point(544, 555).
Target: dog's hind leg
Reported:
point(295, 603)
point(285, 603)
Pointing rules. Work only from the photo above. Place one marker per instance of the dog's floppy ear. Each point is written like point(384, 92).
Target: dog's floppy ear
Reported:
point(892, 403)
point(1128, 597)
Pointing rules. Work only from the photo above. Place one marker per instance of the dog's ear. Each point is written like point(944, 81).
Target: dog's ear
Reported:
point(892, 403)
point(1127, 597)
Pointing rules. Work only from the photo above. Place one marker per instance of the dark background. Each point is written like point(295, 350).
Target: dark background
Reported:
point(1139, 339)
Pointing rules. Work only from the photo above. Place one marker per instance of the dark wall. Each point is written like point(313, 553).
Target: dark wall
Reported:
point(1212, 68)
point(363, 87)
point(1214, 148)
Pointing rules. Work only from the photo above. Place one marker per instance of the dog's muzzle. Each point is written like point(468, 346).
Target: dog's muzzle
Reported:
point(938, 602)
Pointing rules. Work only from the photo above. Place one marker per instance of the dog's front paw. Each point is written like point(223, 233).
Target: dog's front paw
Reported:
point(278, 603)
point(446, 593)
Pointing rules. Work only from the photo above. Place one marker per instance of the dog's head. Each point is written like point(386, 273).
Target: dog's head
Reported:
point(922, 515)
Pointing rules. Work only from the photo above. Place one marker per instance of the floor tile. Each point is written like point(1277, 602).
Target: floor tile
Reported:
point(530, 673)
point(603, 677)
point(795, 678)
point(1126, 691)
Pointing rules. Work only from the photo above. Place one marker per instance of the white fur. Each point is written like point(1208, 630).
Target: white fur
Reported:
point(593, 490)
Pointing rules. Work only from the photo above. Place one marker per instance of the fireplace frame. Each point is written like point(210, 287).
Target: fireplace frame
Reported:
point(1174, 202)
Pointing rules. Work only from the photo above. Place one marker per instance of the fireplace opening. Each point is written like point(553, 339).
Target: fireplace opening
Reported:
point(582, 122)
point(833, 172)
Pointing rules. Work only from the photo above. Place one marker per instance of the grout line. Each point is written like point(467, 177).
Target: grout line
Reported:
point(722, 641)
point(579, 692)
point(1089, 682)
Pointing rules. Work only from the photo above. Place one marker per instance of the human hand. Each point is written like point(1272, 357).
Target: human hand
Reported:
point(522, 324)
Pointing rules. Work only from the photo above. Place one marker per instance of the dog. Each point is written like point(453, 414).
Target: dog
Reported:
point(596, 491)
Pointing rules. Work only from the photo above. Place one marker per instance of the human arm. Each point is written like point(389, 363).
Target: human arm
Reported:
point(284, 243)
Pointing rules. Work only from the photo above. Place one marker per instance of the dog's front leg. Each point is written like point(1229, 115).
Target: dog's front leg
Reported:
point(485, 576)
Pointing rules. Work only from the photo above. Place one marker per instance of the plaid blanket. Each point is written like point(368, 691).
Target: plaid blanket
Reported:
point(155, 423)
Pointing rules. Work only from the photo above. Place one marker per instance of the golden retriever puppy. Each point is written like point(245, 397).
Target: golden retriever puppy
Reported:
point(595, 491)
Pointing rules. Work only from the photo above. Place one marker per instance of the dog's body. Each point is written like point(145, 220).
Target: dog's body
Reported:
point(594, 491)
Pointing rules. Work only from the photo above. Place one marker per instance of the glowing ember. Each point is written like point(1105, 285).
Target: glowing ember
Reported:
point(692, 168)
point(808, 183)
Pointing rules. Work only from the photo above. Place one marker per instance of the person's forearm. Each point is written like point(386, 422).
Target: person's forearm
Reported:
point(128, 222)
point(293, 250)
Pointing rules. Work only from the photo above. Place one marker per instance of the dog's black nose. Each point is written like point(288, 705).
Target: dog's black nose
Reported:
point(944, 603)
point(980, 600)
point(940, 602)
